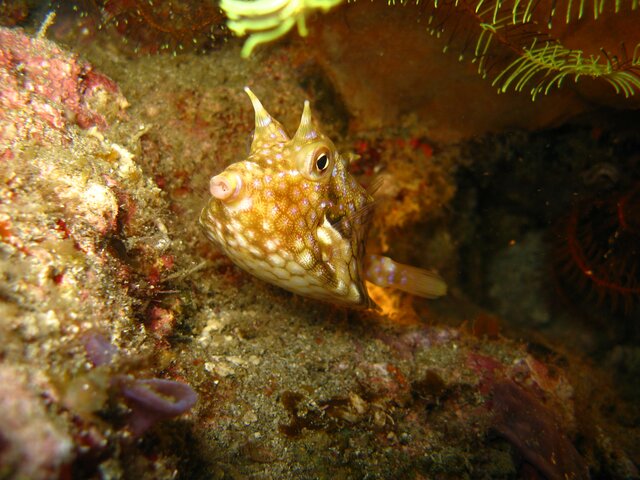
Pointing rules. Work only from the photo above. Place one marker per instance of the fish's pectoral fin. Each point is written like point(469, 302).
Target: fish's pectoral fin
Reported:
point(354, 225)
point(375, 185)
point(384, 272)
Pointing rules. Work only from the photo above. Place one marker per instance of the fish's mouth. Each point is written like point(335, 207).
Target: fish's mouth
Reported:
point(226, 186)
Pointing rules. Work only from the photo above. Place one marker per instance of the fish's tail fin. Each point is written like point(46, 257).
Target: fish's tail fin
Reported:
point(384, 272)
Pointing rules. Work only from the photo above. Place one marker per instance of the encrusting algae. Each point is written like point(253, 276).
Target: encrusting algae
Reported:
point(292, 215)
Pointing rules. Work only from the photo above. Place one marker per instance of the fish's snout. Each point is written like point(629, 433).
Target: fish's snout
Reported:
point(226, 186)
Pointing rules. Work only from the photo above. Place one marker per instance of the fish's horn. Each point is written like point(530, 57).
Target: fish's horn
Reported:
point(307, 129)
point(267, 129)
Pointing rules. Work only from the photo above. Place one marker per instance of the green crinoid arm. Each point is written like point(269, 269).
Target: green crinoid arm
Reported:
point(257, 38)
point(538, 62)
point(549, 65)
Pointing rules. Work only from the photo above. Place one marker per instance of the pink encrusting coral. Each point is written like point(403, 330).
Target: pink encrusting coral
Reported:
point(32, 445)
point(70, 228)
point(44, 88)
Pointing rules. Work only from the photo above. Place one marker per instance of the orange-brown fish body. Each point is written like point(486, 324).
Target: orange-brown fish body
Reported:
point(292, 215)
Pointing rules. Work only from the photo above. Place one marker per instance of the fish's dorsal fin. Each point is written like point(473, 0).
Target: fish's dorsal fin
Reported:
point(267, 129)
point(384, 272)
point(307, 129)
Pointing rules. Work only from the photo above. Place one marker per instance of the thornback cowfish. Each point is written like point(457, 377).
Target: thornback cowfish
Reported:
point(292, 215)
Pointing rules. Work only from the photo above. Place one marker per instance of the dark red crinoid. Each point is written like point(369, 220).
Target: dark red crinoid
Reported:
point(165, 25)
point(597, 258)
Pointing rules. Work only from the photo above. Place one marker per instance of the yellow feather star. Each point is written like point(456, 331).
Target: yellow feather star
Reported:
point(267, 20)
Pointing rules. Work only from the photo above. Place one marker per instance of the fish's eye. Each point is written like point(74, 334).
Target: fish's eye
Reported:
point(315, 161)
point(322, 162)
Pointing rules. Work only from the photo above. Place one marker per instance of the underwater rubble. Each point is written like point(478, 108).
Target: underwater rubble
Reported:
point(131, 347)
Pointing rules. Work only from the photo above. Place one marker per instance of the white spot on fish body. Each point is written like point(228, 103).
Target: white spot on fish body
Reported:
point(324, 233)
point(281, 272)
point(298, 244)
point(305, 259)
point(276, 260)
point(242, 242)
point(235, 225)
point(242, 205)
point(297, 281)
point(295, 268)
